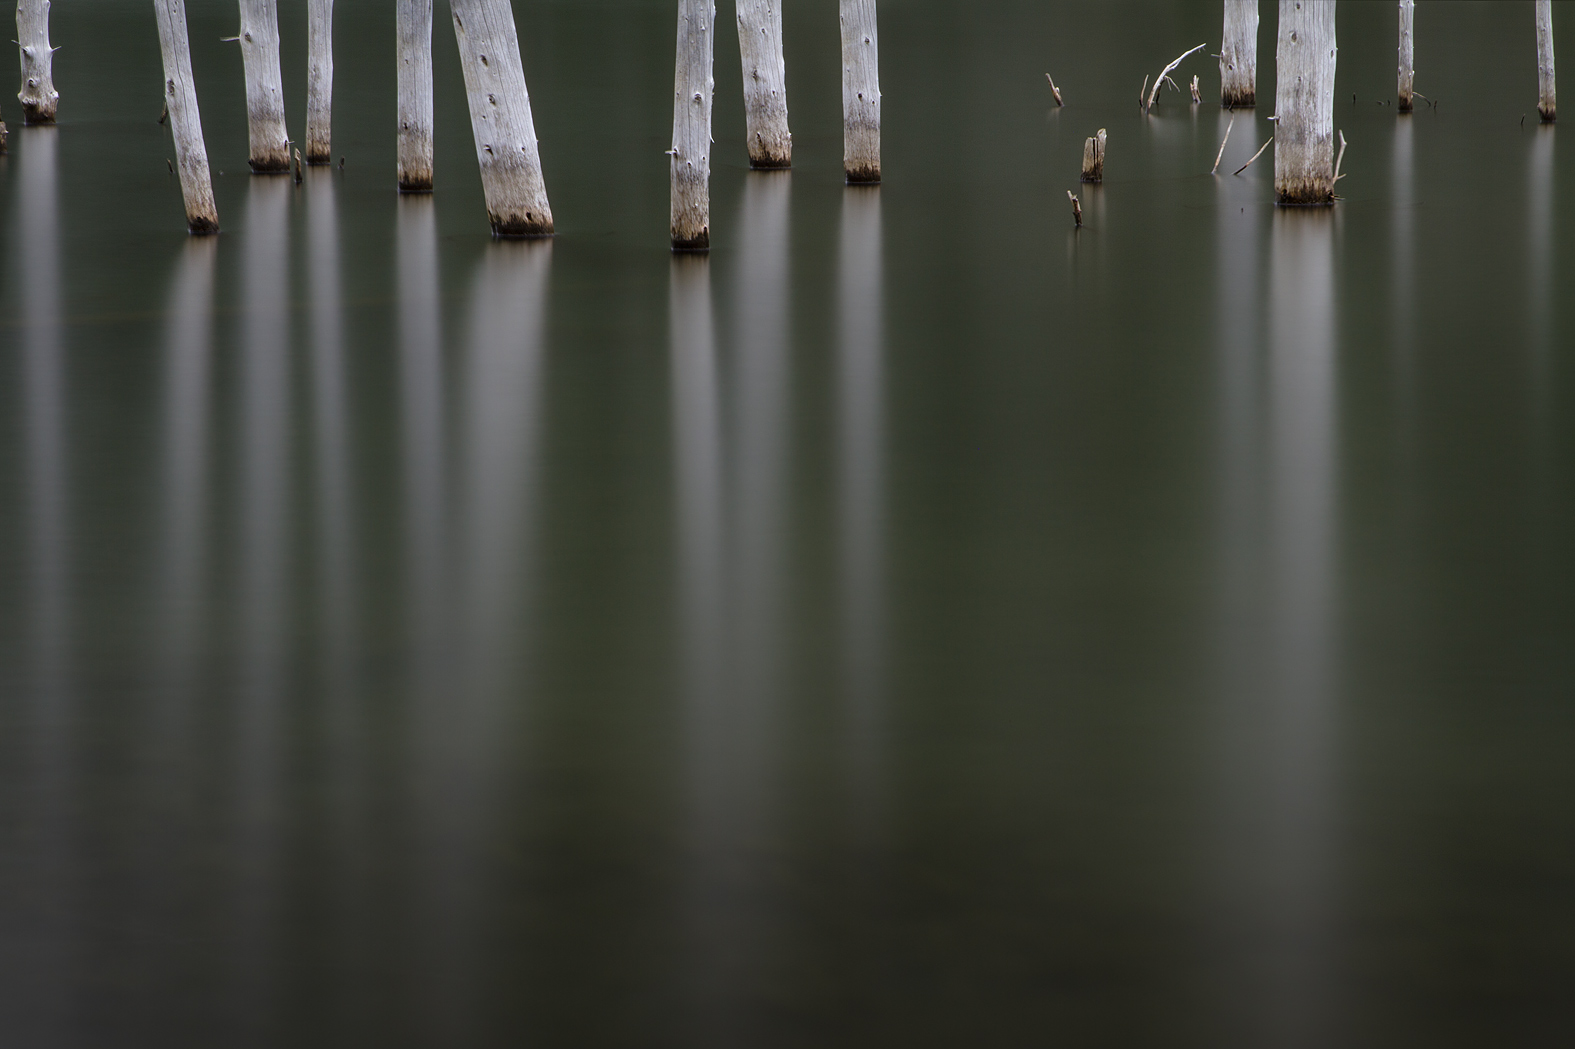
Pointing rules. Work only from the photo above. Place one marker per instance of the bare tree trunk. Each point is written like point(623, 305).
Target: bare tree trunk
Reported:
point(765, 83)
point(270, 142)
point(860, 92)
point(1547, 103)
point(691, 152)
point(415, 95)
point(38, 95)
point(489, 52)
point(1304, 102)
point(1407, 72)
point(319, 81)
point(180, 96)
point(1239, 55)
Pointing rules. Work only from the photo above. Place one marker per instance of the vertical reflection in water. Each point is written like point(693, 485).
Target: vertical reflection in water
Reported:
point(421, 415)
point(860, 426)
point(46, 928)
point(180, 559)
point(1301, 577)
point(759, 410)
point(463, 725)
point(710, 977)
point(264, 381)
point(1540, 241)
point(1403, 301)
point(334, 585)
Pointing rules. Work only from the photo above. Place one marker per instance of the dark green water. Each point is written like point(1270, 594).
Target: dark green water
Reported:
point(915, 624)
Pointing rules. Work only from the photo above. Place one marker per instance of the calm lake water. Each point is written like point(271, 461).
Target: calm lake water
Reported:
point(915, 623)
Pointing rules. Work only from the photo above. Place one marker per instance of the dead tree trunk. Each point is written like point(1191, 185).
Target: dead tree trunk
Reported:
point(860, 92)
point(414, 33)
point(38, 96)
point(319, 81)
point(180, 97)
point(1304, 102)
point(270, 142)
point(765, 83)
point(1407, 71)
point(691, 152)
point(1239, 55)
point(1094, 158)
point(1547, 103)
point(489, 52)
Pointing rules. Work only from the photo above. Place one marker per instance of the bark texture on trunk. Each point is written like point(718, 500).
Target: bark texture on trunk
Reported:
point(1239, 55)
point(765, 83)
point(500, 118)
point(860, 92)
point(1304, 103)
point(691, 152)
point(270, 142)
point(38, 96)
point(319, 81)
point(1094, 158)
point(1407, 55)
point(414, 33)
point(180, 97)
point(1547, 103)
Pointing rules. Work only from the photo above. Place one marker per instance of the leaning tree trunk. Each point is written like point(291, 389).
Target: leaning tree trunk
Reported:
point(180, 97)
point(38, 95)
point(1304, 102)
point(1239, 55)
point(270, 142)
point(860, 92)
point(319, 80)
point(1547, 104)
point(765, 83)
point(691, 152)
point(1407, 71)
point(489, 52)
point(415, 95)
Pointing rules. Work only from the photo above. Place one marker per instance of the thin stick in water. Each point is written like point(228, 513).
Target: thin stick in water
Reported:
point(1054, 90)
point(1221, 154)
point(1154, 95)
point(1077, 209)
point(1255, 156)
point(1339, 158)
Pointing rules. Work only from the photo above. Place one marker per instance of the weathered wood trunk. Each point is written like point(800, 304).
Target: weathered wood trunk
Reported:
point(38, 96)
point(1239, 55)
point(180, 98)
point(1547, 103)
point(765, 83)
point(691, 152)
point(1094, 158)
point(270, 142)
point(414, 34)
point(1407, 71)
point(860, 92)
point(506, 147)
point(1304, 102)
point(319, 80)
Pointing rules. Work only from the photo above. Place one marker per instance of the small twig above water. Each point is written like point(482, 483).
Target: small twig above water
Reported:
point(1077, 209)
point(1255, 156)
point(1164, 75)
point(1054, 90)
point(1221, 154)
point(1338, 158)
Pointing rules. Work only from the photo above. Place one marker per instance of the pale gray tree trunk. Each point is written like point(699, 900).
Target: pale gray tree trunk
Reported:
point(765, 83)
point(38, 95)
point(1239, 55)
point(1304, 103)
point(1547, 103)
point(415, 95)
point(319, 80)
point(500, 118)
point(860, 92)
point(1407, 54)
point(270, 142)
point(691, 152)
point(180, 97)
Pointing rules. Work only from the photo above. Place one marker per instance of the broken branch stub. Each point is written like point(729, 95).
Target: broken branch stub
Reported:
point(1094, 158)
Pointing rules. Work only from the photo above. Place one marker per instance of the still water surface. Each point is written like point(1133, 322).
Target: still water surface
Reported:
point(914, 623)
